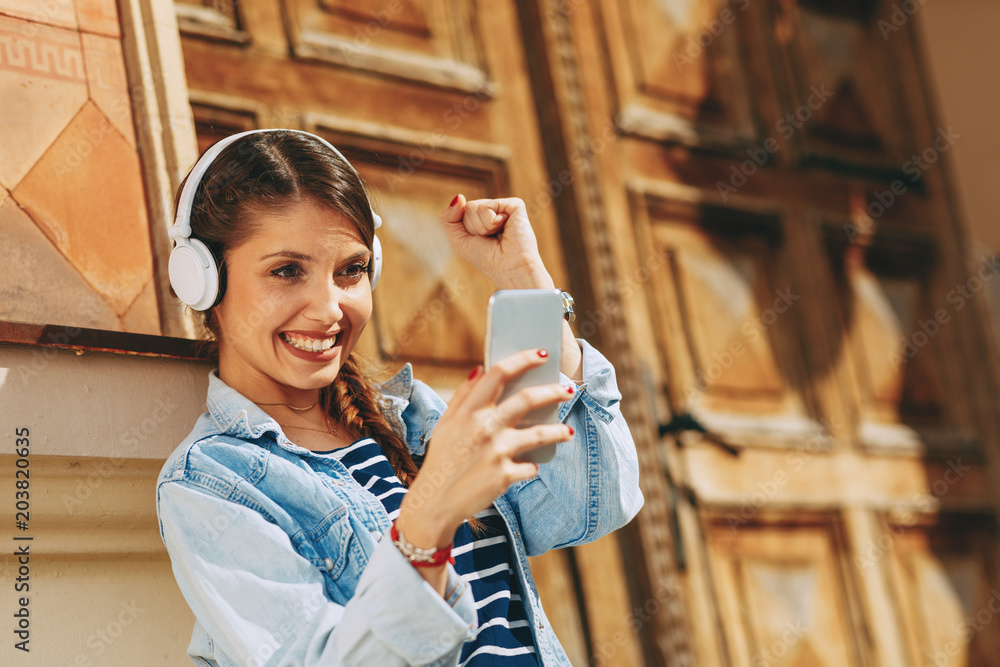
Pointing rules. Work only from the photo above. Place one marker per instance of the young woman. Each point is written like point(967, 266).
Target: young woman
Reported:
point(315, 518)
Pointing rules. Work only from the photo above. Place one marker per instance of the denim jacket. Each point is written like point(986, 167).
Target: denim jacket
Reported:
point(285, 560)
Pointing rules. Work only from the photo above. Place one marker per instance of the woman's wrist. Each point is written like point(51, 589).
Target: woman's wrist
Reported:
point(528, 276)
point(425, 527)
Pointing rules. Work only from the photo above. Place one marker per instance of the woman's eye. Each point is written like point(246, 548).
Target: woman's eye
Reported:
point(288, 271)
point(356, 270)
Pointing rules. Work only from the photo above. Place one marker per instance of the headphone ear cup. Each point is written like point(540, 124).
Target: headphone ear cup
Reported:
point(376, 261)
point(194, 274)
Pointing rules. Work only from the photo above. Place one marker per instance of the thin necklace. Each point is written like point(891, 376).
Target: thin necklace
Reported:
point(292, 407)
point(326, 419)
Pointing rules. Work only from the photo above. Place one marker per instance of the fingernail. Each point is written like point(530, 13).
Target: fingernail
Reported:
point(569, 390)
point(474, 373)
point(543, 353)
point(453, 201)
point(571, 431)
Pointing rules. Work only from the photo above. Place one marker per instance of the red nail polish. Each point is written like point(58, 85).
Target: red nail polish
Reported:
point(453, 201)
point(571, 430)
point(569, 390)
point(474, 373)
point(543, 353)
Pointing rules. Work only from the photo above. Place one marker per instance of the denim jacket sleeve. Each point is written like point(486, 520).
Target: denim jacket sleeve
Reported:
point(263, 604)
point(591, 487)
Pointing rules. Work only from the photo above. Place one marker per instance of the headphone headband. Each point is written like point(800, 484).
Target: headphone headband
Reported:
point(182, 222)
point(192, 268)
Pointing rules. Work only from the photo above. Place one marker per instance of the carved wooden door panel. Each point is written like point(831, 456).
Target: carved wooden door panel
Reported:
point(771, 252)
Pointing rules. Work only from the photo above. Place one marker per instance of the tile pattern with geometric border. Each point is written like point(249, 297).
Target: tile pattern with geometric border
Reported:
point(43, 85)
point(36, 283)
point(69, 168)
point(86, 195)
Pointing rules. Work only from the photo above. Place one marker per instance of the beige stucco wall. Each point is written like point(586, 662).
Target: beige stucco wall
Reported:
point(101, 590)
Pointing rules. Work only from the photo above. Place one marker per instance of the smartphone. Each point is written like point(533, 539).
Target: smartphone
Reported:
point(518, 320)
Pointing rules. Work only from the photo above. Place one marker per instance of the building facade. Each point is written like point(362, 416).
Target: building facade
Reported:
point(774, 216)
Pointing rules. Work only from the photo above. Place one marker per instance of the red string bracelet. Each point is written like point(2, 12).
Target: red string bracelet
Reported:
point(421, 557)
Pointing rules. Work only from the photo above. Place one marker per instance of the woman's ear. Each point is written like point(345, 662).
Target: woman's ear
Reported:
point(223, 281)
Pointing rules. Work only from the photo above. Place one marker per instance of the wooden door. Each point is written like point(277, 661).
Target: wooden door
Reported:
point(771, 253)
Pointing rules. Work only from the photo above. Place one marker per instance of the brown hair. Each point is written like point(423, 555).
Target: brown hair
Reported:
point(265, 171)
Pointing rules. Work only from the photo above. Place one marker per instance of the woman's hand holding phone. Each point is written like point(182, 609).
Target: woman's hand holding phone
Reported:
point(471, 458)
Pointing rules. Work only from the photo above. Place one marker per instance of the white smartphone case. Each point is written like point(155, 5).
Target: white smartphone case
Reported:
point(523, 319)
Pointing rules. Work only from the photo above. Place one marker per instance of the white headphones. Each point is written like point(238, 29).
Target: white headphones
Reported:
point(193, 272)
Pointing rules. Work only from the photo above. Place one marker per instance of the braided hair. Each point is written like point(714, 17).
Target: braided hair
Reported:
point(356, 405)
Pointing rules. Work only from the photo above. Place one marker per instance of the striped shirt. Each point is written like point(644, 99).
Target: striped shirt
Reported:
point(482, 559)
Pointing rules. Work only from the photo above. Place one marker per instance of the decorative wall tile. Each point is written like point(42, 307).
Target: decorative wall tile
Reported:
point(59, 13)
point(42, 68)
point(108, 83)
point(100, 16)
point(36, 283)
point(143, 316)
point(86, 194)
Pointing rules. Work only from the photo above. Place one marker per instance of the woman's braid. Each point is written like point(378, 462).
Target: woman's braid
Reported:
point(354, 403)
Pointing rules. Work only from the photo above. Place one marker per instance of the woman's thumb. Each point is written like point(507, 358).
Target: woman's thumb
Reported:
point(455, 210)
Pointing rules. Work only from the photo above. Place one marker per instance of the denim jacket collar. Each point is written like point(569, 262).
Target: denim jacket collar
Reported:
point(238, 416)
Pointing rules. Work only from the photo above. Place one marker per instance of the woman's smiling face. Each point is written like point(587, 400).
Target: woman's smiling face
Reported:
point(297, 298)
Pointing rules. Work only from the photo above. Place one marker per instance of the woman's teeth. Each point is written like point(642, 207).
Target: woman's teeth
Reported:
point(308, 344)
